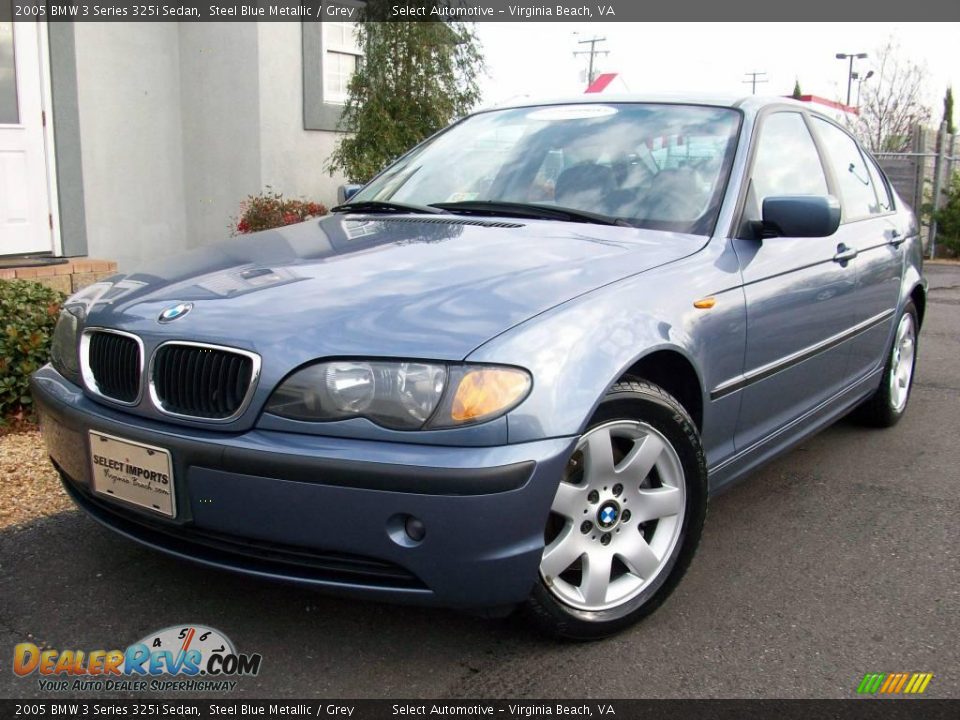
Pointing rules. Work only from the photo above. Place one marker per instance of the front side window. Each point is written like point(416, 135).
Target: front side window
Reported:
point(786, 163)
point(857, 193)
point(656, 166)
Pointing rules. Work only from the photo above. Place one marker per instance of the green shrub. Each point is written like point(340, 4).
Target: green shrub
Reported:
point(948, 218)
point(28, 314)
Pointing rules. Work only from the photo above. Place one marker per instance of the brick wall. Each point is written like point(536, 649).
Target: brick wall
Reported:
point(66, 277)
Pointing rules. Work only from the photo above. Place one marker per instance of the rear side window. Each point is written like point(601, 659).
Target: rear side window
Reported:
point(786, 162)
point(850, 168)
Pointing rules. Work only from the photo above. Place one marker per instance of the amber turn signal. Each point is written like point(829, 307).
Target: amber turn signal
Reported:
point(485, 392)
point(705, 303)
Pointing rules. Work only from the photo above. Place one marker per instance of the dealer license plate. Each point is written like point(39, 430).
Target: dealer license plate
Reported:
point(132, 472)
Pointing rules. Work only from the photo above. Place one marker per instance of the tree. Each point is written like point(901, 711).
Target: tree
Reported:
point(797, 93)
point(948, 111)
point(415, 78)
point(892, 104)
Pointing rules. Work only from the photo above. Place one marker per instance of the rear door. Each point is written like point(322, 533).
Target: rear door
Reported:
point(798, 291)
point(867, 227)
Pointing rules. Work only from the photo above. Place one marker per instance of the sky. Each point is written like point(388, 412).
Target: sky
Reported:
point(536, 59)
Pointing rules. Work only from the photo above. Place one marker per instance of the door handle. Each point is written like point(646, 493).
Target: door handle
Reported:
point(844, 254)
point(896, 239)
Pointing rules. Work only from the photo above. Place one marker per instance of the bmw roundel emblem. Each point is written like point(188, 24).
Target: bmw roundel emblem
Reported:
point(174, 312)
point(608, 515)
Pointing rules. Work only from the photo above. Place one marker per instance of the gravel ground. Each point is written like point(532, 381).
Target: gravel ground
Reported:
point(29, 487)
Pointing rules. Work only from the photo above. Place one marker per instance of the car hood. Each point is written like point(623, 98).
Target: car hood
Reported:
point(400, 286)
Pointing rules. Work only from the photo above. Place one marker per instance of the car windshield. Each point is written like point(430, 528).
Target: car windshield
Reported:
point(655, 166)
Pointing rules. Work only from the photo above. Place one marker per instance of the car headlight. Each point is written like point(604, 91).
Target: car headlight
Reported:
point(400, 395)
point(65, 347)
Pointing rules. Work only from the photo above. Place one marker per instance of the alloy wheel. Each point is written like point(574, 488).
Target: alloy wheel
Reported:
point(616, 518)
point(901, 370)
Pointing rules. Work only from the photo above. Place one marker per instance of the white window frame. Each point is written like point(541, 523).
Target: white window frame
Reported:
point(334, 45)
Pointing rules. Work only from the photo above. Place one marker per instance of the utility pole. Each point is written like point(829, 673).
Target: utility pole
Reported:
point(592, 42)
point(937, 187)
point(753, 81)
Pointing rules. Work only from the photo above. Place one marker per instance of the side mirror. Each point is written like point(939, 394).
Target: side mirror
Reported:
point(345, 192)
point(800, 216)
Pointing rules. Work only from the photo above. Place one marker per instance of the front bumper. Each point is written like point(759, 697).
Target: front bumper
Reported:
point(326, 511)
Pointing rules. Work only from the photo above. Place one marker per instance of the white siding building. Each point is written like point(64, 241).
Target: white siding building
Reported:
point(131, 141)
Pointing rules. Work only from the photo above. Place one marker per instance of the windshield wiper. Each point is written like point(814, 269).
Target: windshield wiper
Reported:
point(385, 206)
point(529, 210)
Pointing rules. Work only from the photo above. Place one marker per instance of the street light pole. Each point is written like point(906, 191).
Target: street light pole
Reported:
point(860, 78)
point(849, 80)
point(851, 57)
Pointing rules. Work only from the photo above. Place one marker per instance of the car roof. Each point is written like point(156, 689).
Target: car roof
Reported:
point(748, 103)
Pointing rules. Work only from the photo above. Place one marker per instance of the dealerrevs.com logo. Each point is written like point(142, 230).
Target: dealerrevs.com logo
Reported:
point(178, 658)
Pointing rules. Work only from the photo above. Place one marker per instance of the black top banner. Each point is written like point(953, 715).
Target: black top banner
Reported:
point(477, 11)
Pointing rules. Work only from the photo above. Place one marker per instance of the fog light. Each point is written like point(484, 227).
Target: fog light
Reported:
point(415, 528)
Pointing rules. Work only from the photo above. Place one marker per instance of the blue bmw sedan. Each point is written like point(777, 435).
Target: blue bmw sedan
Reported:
point(511, 369)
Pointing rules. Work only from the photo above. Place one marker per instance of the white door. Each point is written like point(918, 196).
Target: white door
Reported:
point(24, 200)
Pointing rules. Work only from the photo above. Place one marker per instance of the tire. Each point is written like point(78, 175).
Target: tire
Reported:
point(888, 404)
point(629, 512)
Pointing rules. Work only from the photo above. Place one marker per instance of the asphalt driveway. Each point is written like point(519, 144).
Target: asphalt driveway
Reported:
point(841, 558)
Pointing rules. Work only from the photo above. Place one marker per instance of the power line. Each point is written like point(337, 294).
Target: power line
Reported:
point(753, 81)
point(592, 42)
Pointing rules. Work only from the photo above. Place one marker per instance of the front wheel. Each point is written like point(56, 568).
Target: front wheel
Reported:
point(626, 518)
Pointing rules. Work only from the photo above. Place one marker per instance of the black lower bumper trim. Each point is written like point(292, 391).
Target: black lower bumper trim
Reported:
point(247, 554)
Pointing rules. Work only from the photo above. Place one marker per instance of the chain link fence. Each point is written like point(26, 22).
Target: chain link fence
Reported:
point(922, 175)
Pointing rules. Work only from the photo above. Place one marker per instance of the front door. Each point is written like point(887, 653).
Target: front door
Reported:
point(24, 199)
point(799, 293)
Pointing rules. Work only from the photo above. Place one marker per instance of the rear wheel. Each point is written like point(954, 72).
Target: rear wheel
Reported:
point(887, 405)
point(626, 518)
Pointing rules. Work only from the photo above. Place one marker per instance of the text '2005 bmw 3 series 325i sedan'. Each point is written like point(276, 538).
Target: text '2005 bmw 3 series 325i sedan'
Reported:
point(510, 370)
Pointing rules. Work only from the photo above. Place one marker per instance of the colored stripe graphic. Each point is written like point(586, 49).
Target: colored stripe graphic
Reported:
point(894, 683)
point(889, 682)
point(903, 681)
point(871, 683)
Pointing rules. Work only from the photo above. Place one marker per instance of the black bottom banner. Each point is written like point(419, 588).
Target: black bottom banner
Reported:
point(865, 709)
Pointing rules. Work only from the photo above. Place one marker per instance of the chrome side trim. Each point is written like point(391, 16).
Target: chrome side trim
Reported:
point(251, 389)
point(781, 431)
point(86, 373)
point(772, 368)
